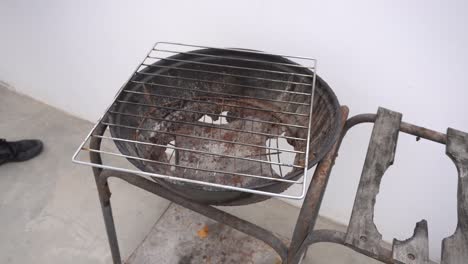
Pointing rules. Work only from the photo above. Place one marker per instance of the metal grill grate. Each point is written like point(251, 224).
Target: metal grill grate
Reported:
point(219, 118)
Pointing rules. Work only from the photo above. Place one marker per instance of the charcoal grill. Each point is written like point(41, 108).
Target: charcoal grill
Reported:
point(220, 125)
point(209, 126)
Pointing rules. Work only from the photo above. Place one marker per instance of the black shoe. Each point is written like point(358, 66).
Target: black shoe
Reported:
point(19, 150)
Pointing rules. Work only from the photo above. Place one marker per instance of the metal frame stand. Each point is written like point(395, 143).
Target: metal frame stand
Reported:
point(361, 236)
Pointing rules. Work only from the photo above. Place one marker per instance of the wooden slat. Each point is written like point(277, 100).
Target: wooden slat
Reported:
point(414, 250)
point(362, 232)
point(455, 247)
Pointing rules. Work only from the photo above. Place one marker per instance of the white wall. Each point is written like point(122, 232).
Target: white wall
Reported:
point(408, 56)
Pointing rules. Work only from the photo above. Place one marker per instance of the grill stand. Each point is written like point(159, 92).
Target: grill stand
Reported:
point(380, 153)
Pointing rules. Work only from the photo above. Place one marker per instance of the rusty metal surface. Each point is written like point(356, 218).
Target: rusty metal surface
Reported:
point(455, 247)
point(418, 131)
point(414, 250)
point(249, 159)
point(422, 132)
point(311, 205)
point(362, 232)
point(104, 197)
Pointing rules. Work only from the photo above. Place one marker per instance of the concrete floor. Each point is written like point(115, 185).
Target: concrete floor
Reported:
point(184, 237)
point(49, 209)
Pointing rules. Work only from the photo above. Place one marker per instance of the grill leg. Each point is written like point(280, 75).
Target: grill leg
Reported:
point(310, 208)
point(104, 197)
point(313, 199)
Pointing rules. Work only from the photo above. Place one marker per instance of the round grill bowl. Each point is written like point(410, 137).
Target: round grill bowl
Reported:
point(136, 113)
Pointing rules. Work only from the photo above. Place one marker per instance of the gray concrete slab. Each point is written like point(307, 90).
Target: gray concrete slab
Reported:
point(176, 238)
point(185, 237)
point(49, 209)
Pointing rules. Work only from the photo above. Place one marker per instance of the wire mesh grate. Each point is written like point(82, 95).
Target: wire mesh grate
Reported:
point(219, 118)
